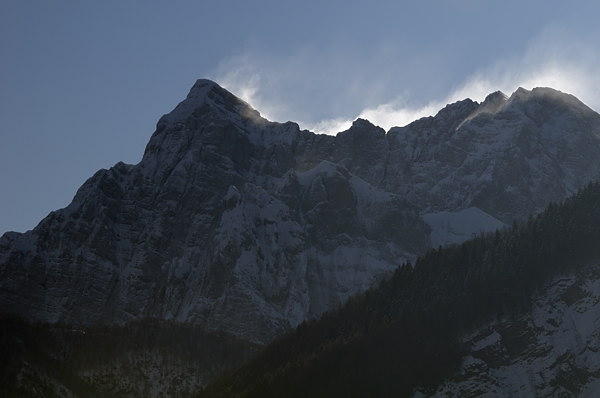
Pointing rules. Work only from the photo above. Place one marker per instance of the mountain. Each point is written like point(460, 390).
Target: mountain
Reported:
point(246, 227)
point(250, 227)
point(228, 221)
point(513, 313)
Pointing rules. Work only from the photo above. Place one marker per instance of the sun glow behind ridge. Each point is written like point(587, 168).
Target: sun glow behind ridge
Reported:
point(551, 60)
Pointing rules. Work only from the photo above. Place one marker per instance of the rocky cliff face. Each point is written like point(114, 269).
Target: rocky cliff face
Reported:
point(509, 157)
point(249, 226)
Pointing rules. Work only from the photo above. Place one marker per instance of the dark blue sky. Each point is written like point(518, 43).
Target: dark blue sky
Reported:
point(83, 83)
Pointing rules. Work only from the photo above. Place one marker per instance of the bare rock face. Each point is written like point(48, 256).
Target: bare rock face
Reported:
point(250, 227)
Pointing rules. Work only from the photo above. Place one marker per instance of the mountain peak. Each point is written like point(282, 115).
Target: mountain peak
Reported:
point(202, 87)
point(362, 123)
point(540, 92)
point(363, 128)
point(549, 99)
point(206, 92)
point(493, 102)
point(496, 96)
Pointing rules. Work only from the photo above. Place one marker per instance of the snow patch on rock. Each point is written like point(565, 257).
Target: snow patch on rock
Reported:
point(453, 227)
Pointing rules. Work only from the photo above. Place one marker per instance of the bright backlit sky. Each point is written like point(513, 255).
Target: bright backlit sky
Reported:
point(83, 83)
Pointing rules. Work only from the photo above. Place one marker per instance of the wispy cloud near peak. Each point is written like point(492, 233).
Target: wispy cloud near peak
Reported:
point(278, 87)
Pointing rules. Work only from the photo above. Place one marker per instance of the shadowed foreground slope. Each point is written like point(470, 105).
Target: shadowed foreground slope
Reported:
point(148, 358)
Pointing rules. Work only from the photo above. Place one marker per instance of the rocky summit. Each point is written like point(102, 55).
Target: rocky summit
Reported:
point(248, 226)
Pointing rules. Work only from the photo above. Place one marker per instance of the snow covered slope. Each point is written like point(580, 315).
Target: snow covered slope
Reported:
point(249, 226)
point(450, 227)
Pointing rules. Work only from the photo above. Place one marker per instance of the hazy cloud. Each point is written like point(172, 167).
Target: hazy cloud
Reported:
point(300, 89)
